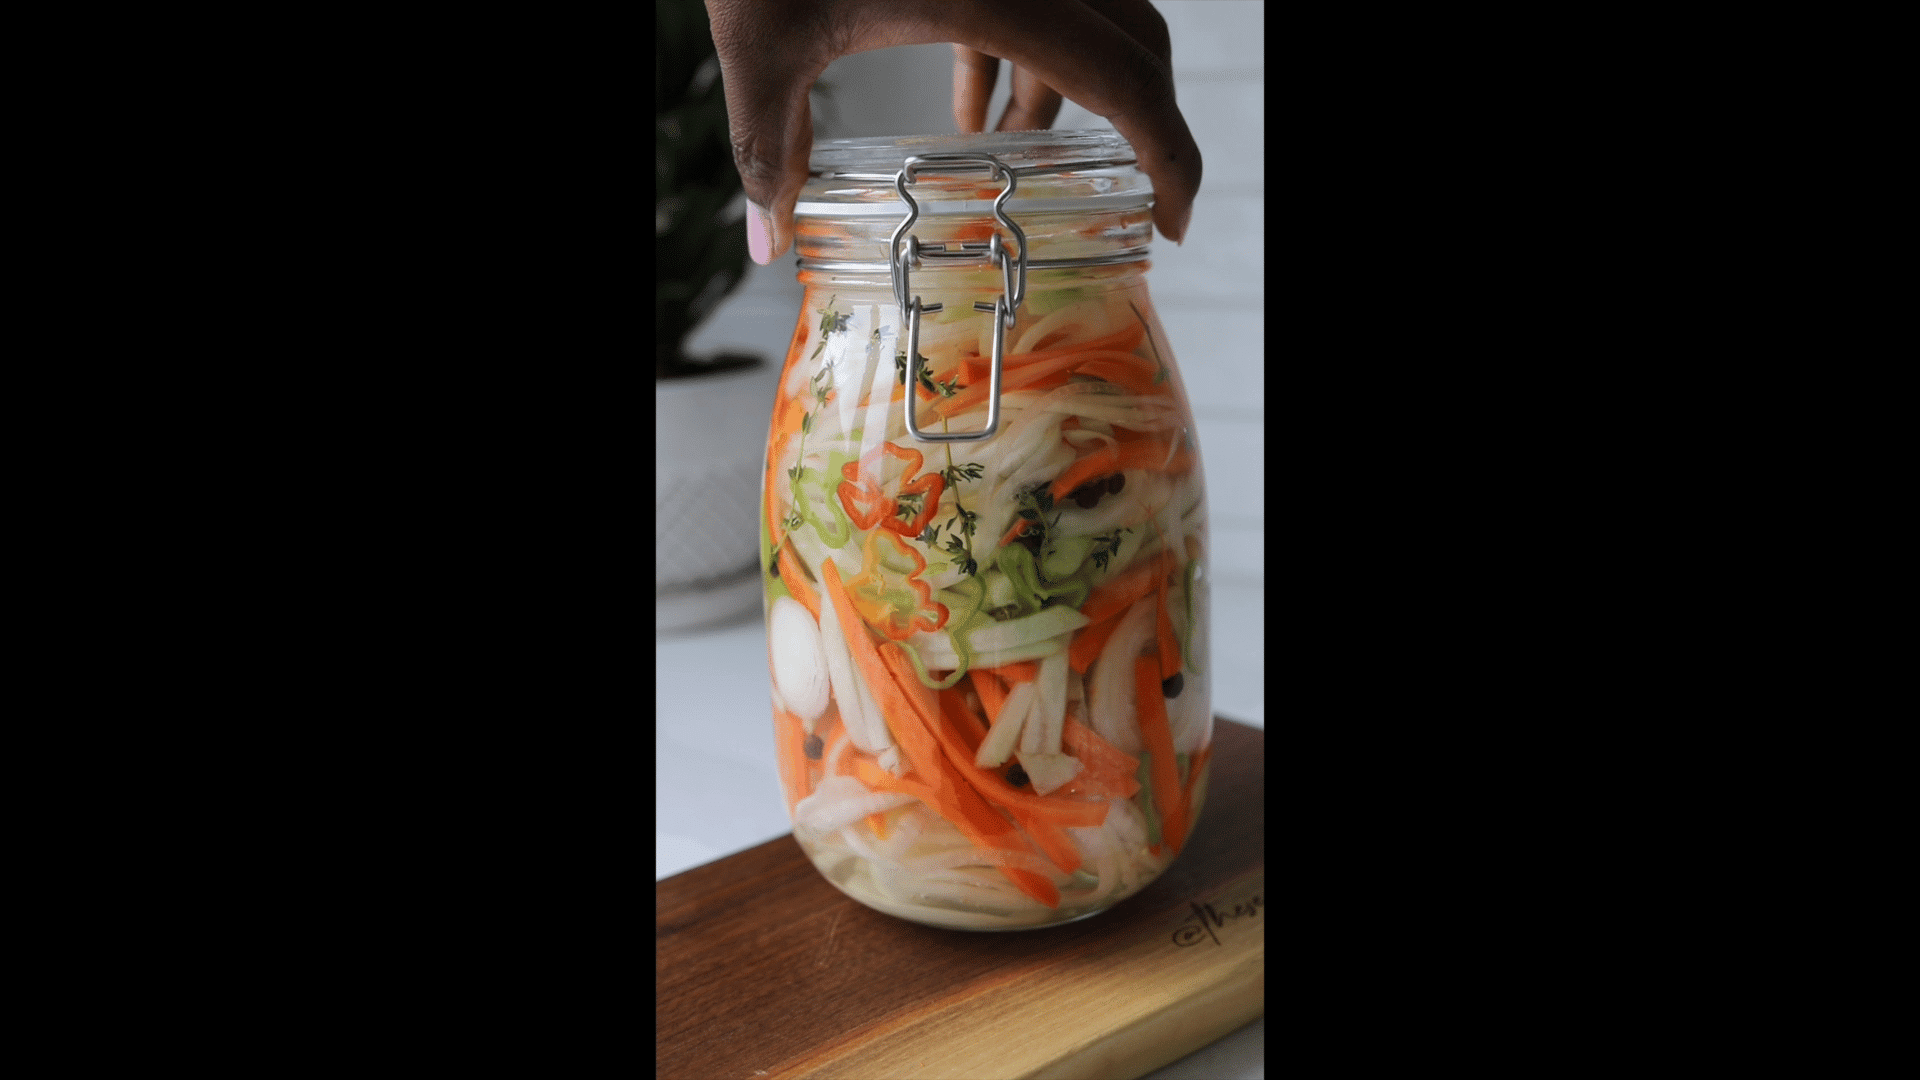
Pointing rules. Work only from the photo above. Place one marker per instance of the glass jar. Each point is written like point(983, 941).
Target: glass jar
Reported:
point(986, 621)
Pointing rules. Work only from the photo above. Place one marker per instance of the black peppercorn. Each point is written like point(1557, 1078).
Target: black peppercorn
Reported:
point(1116, 482)
point(813, 746)
point(1017, 776)
point(1173, 684)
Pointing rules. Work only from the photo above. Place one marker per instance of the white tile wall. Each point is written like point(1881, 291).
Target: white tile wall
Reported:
point(718, 787)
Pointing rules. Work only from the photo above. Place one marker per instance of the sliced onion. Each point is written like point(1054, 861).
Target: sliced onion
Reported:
point(799, 665)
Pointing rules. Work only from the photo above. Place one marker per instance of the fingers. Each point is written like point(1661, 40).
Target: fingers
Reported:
point(1075, 48)
point(1107, 55)
point(1033, 106)
point(1141, 21)
point(767, 67)
point(974, 76)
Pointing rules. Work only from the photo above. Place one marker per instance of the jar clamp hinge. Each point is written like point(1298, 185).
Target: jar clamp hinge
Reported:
point(908, 256)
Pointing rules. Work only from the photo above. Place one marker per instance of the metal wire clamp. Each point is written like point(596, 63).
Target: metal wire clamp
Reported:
point(906, 257)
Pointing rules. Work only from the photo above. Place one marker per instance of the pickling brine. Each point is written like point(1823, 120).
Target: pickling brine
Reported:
point(989, 658)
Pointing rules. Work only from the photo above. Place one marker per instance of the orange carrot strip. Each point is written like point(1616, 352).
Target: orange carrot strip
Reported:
point(1101, 787)
point(994, 787)
point(1154, 454)
point(897, 704)
point(1099, 755)
point(1103, 461)
point(950, 802)
point(1087, 644)
point(1024, 671)
point(1051, 839)
point(788, 737)
point(878, 823)
point(1048, 836)
point(795, 580)
point(914, 718)
point(1127, 375)
point(953, 706)
point(828, 729)
point(1169, 645)
point(868, 772)
point(1158, 737)
point(1123, 592)
point(1009, 382)
point(993, 692)
point(918, 695)
point(1019, 526)
point(1124, 341)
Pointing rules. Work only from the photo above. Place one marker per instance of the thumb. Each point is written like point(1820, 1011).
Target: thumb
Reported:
point(770, 127)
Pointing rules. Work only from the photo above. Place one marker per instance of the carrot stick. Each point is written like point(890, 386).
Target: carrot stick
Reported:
point(1102, 787)
point(1024, 671)
point(1051, 839)
point(1127, 375)
point(1169, 645)
point(796, 581)
point(953, 706)
point(912, 714)
point(1155, 454)
point(1099, 755)
point(1101, 462)
point(993, 692)
point(1123, 592)
point(878, 823)
point(970, 813)
point(788, 737)
point(1047, 834)
point(1158, 736)
point(1124, 341)
point(1009, 382)
point(894, 704)
point(976, 821)
point(994, 787)
point(1088, 643)
point(1019, 526)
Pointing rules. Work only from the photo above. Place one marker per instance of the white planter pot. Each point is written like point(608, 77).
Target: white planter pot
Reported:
point(710, 447)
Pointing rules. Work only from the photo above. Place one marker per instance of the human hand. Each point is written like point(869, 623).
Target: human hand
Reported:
point(1110, 56)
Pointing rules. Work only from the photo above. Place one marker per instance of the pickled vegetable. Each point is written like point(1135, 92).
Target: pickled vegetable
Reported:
point(972, 627)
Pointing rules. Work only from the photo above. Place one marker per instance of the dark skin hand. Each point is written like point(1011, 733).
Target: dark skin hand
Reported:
point(1110, 56)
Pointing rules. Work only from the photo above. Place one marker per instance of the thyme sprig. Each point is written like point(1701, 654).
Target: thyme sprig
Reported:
point(945, 388)
point(1160, 369)
point(821, 385)
point(1104, 546)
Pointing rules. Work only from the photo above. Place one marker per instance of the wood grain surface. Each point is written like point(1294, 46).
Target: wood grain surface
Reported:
point(764, 969)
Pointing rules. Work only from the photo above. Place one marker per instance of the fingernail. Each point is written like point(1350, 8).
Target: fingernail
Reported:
point(1185, 220)
point(759, 235)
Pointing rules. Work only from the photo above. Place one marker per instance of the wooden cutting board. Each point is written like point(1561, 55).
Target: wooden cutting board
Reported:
point(763, 969)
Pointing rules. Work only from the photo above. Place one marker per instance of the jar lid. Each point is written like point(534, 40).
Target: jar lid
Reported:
point(1056, 171)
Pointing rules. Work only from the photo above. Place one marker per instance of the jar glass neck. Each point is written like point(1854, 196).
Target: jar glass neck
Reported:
point(1056, 241)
